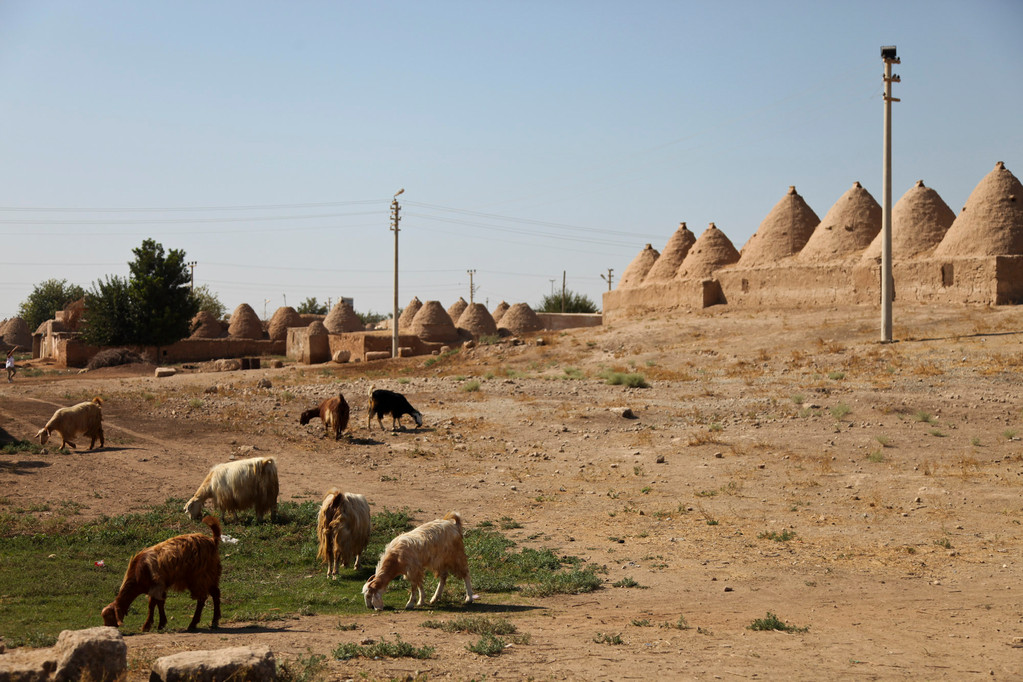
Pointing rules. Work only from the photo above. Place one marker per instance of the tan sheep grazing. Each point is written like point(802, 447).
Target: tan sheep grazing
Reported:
point(70, 422)
point(185, 562)
point(434, 546)
point(342, 530)
point(233, 486)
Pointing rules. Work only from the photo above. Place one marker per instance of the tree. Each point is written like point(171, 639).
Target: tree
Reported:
point(46, 299)
point(311, 307)
point(574, 303)
point(153, 307)
point(209, 302)
point(109, 313)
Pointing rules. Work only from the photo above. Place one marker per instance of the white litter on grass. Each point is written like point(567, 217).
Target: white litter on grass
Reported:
point(475, 597)
point(229, 540)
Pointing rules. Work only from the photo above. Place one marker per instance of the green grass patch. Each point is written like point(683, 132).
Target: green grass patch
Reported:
point(22, 446)
point(605, 638)
point(346, 651)
point(271, 573)
point(470, 386)
point(840, 410)
point(772, 622)
point(783, 536)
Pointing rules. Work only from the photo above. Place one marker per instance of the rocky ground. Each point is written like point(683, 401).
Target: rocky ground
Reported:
point(781, 462)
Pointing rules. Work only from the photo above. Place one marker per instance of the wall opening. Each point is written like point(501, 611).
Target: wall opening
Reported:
point(947, 275)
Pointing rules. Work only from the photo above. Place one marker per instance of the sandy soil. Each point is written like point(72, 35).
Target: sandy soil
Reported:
point(898, 468)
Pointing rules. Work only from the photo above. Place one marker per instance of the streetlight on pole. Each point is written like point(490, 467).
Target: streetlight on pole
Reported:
point(887, 280)
point(191, 285)
point(395, 219)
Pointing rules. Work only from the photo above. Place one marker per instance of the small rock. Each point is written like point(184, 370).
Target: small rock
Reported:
point(660, 459)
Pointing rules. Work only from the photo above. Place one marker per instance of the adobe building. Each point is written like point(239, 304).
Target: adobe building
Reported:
point(975, 257)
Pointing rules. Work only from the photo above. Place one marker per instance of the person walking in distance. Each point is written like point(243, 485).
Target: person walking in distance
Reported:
point(11, 369)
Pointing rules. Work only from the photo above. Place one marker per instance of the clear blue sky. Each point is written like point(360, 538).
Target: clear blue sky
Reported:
point(532, 137)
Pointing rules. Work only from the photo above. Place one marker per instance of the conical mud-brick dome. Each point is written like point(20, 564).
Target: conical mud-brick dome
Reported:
point(409, 312)
point(675, 251)
point(520, 319)
point(638, 268)
point(205, 325)
point(245, 323)
point(342, 319)
point(783, 233)
point(316, 328)
point(16, 333)
point(457, 308)
point(432, 323)
point(848, 228)
point(711, 251)
point(285, 317)
point(991, 223)
point(500, 310)
point(920, 220)
point(476, 320)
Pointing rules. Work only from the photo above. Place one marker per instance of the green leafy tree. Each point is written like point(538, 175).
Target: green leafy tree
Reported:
point(209, 302)
point(311, 307)
point(109, 313)
point(153, 307)
point(159, 287)
point(46, 299)
point(574, 303)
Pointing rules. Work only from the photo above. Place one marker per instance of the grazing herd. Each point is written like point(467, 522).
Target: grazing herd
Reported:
point(191, 562)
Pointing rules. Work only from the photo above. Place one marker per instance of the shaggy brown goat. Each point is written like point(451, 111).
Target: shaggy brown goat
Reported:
point(185, 562)
point(333, 412)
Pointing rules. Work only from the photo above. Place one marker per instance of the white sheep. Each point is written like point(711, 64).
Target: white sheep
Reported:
point(71, 422)
point(434, 546)
point(342, 530)
point(233, 486)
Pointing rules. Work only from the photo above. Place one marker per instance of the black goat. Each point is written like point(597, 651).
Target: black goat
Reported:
point(383, 402)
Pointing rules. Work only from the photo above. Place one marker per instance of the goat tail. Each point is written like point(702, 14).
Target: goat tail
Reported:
point(372, 388)
point(457, 518)
point(214, 525)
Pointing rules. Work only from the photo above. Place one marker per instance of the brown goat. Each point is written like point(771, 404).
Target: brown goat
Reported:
point(185, 562)
point(333, 412)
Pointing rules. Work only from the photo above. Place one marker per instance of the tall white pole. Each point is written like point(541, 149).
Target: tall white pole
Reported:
point(395, 219)
point(887, 279)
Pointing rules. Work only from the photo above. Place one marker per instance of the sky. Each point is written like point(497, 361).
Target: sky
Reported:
point(536, 141)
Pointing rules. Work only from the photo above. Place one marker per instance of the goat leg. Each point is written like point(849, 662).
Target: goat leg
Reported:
point(199, 603)
point(468, 589)
point(215, 593)
point(440, 587)
point(149, 619)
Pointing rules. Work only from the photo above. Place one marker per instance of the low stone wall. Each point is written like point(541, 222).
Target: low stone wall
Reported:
point(993, 280)
point(559, 321)
point(659, 296)
point(70, 351)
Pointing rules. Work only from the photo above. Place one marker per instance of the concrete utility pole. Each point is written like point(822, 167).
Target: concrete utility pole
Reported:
point(395, 219)
point(191, 264)
point(472, 287)
point(610, 272)
point(887, 279)
point(563, 290)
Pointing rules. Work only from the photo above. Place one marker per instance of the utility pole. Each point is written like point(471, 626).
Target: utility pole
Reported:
point(887, 279)
point(472, 288)
point(552, 287)
point(191, 264)
point(395, 219)
point(563, 291)
point(608, 278)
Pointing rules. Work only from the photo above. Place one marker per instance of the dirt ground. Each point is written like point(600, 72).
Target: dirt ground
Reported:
point(894, 470)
